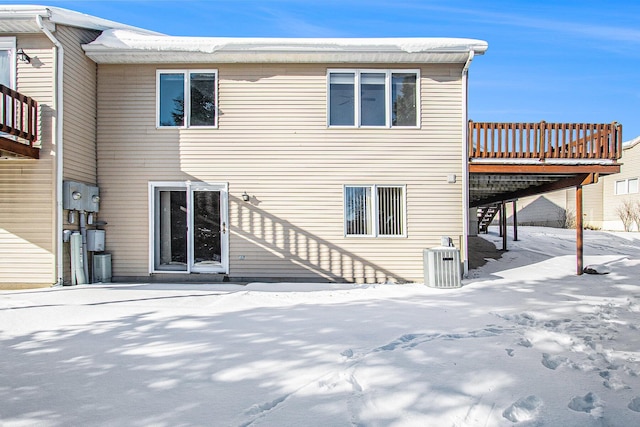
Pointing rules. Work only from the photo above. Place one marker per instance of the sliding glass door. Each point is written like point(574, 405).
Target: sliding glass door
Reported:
point(189, 227)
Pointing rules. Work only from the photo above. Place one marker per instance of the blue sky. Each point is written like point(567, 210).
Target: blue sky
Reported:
point(553, 60)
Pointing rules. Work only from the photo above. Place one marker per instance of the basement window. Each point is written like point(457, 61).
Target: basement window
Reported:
point(374, 211)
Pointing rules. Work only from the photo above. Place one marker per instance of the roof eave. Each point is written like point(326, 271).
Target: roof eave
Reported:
point(102, 56)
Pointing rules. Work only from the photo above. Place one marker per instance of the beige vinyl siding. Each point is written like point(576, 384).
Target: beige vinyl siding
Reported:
point(79, 128)
point(27, 186)
point(630, 169)
point(558, 208)
point(593, 204)
point(79, 105)
point(548, 210)
point(273, 142)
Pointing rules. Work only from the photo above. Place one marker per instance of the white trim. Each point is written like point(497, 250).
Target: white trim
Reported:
point(465, 164)
point(189, 187)
point(9, 44)
point(375, 227)
point(57, 144)
point(186, 74)
point(626, 186)
point(357, 119)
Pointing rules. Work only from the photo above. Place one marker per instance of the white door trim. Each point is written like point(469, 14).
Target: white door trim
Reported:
point(189, 187)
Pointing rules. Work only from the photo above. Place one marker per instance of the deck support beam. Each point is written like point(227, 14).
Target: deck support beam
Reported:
point(592, 178)
point(503, 224)
point(515, 222)
point(579, 231)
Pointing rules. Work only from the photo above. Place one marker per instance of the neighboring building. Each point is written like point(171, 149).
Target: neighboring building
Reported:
point(294, 159)
point(622, 187)
point(602, 200)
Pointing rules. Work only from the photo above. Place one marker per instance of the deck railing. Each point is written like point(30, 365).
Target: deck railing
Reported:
point(18, 115)
point(545, 140)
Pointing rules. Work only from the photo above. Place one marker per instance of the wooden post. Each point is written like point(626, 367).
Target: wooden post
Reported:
point(579, 231)
point(515, 222)
point(503, 218)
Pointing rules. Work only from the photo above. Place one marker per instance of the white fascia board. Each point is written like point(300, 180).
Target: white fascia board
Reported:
point(137, 57)
point(121, 46)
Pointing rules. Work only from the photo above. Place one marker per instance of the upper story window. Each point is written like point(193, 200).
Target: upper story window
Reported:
point(186, 98)
point(626, 186)
point(373, 98)
point(7, 61)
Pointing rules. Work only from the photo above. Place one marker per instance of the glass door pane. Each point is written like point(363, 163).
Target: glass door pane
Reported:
point(207, 228)
point(171, 230)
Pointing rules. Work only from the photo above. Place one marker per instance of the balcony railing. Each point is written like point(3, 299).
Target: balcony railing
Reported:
point(545, 141)
point(19, 116)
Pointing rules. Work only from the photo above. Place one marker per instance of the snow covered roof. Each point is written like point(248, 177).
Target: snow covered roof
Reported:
point(630, 144)
point(126, 46)
point(120, 43)
point(22, 19)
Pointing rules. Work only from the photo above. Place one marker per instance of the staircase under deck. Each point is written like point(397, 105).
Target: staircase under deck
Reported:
point(508, 161)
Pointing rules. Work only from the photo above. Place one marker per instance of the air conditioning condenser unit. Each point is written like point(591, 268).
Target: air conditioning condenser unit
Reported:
point(442, 268)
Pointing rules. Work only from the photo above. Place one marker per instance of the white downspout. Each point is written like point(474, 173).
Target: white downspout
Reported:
point(465, 161)
point(57, 142)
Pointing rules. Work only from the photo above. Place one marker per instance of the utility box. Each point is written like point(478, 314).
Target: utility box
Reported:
point(95, 240)
point(442, 268)
point(101, 268)
point(73, 195)
point(77, 196)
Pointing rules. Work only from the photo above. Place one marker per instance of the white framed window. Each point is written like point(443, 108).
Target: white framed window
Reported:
point(186, 98)
point(375, 211)
point(626, 186)
point(8, 62)
point(373, 98)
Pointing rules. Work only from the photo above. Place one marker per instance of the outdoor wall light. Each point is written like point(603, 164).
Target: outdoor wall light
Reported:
point(245, 196)
point(23, 57)
point(76, 195)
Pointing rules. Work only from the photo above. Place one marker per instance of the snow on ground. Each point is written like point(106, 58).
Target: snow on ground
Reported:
point(524, 342)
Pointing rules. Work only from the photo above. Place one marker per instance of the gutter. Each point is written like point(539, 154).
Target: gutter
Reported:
point(465, 161)
point(57, 142)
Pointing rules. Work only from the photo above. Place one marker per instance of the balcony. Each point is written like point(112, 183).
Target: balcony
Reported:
point(512, 160)
point(18, 125)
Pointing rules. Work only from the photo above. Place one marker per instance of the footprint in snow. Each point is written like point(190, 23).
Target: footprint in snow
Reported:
point(524, 342)
point(524, 409)
point(552, 362)
point(348, 353)
point(510, 351)
point(634, 405)
point(589, 403)
point(612, 381)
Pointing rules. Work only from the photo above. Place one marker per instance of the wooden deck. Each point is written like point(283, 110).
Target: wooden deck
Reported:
point(508, 161)
point(18, 124)
point(512, 160)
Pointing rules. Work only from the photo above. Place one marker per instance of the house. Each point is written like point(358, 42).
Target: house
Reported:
point(240, 158)
point(274, 158)
point(602, 200)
